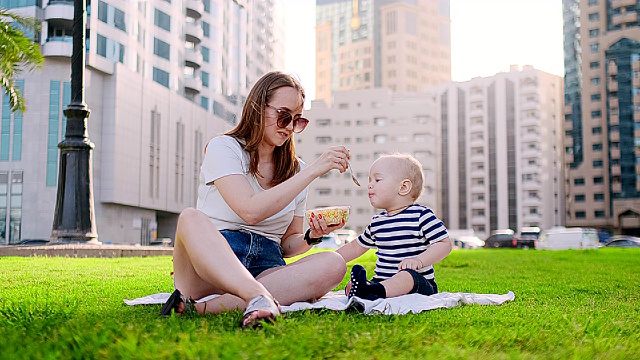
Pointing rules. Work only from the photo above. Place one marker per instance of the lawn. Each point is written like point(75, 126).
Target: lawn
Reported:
point(568, 305)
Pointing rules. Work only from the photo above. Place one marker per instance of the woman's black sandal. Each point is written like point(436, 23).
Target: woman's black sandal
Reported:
point(174, 301)
point(260, 302)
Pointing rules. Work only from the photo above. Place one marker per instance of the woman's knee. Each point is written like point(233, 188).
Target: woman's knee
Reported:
point(334, 266)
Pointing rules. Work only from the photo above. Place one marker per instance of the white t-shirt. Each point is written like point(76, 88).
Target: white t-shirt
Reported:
point(224, 157)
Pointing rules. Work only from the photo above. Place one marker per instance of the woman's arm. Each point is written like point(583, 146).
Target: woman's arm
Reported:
point(293, 242)
point(254, 207)
point(352, 250)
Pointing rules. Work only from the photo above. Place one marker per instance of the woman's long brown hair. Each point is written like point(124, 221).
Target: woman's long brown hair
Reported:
point(250, 129)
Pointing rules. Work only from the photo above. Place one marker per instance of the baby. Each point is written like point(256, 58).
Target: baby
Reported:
point(408, 236)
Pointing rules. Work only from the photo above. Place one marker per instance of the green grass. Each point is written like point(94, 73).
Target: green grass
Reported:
point(569, 305)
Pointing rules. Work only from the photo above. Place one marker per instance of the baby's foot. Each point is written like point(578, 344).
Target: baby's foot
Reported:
point(359, 284)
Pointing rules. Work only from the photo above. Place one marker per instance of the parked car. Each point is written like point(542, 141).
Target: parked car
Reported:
point(32, 242)
point(562, 238)
point(467, 242)
point(623, 241)
point(501, 239)
point(528, 237)
point(330, 241)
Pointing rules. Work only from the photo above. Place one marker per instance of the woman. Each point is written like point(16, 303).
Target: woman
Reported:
point(250, 215)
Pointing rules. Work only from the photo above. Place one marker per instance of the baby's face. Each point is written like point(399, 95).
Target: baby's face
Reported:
point(384, 183)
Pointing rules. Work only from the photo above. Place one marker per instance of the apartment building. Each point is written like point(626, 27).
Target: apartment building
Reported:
point(401, 45)
point(501, 151)
point(370, 123)
point(162, 78)
point(602, 114)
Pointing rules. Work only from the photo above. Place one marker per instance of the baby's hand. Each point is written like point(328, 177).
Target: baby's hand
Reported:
point(410, 263)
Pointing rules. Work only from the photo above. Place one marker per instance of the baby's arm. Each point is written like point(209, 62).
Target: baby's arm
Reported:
point(434, 253)
point(351, 251)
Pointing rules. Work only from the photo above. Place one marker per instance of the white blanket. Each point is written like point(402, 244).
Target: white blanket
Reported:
point(411, 303)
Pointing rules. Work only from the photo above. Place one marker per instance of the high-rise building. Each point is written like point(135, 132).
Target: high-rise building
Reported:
point(401, 45)
point(369, 123)
point(162, 77)
point(602, 114)
point(501, 156)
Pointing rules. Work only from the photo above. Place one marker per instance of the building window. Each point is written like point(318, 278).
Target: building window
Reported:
point(162, 20)
point(380, 139)
point(596, 130)
point(578, 181)
point(595, 81)
point(206, 29)
point(179, 169)
point(162, 49)
point(593, 2)
point(598, 180)
point(205, 53)
point(204, 76)
point(161, 77)
point(15, 209)
point(597, 164)
point(594, 65)
point(581, 214)
point(154, 155)
point(596, 97)
point(594, 33)
point(596, 114)
point(594, 48)
point(580, 198)
point(111, 15)
point(380, 121)
point(204, 102)
point(598, 197)
point(599, 213)
point(323, 139)
point(593, 17)
point(597, 147)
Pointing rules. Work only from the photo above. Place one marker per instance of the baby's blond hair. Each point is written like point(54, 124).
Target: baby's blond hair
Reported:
point(410, 168)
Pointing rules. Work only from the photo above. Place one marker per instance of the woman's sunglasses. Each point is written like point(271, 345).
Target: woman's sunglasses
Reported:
point(285, 118)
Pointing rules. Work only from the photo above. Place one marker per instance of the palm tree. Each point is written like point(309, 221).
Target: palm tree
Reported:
point(17, 52)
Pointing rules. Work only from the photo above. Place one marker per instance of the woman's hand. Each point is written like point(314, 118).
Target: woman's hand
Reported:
point(335, 157)
point(319, 226)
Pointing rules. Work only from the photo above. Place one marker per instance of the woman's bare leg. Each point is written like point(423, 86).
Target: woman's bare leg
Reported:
point(204, 264)
point(307, 279)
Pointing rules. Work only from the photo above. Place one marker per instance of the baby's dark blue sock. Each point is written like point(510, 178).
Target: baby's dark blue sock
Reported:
point(362, 288)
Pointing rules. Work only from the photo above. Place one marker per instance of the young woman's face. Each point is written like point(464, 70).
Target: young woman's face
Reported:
point(384, 184)
point(285, 99)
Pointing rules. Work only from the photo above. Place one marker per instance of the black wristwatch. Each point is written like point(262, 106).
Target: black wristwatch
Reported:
point(310, 240)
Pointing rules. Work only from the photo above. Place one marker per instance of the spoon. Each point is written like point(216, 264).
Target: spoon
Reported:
point(353, 177)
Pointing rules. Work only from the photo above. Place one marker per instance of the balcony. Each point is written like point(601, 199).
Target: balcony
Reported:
point(192, 84)
point(613, 86)
point(193, 32)
point(193, 59)
point(615, 170)
point(615, 153)
point(616, 187)
point(195, 8)
point(614, 119)
point(58, 47)
point(613, 102)
point(568, 125)
point(568, 142)
point(568, 109)
point(620, 3)
point(59, 10)
point(612, 69)
point(614, 136)
point(568, 158)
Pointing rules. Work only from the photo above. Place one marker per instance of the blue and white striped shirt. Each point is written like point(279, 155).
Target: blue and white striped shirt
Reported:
point(402, 236)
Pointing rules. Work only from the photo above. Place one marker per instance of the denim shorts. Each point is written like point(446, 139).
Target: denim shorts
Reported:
point(255, 252)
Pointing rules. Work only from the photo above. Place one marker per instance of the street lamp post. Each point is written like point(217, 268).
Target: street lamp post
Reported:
point(74, 217)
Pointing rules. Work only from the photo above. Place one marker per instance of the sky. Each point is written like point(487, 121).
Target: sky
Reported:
point(487, 36)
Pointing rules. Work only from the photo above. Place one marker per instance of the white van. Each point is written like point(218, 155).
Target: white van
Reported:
point(562, 238)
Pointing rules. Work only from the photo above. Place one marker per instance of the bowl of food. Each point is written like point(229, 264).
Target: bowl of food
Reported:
point(332, 215)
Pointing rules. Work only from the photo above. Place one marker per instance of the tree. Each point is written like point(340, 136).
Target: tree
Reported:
point(17, 52)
